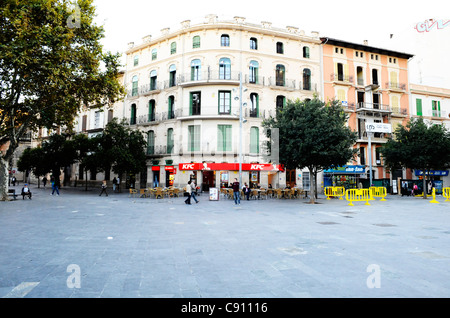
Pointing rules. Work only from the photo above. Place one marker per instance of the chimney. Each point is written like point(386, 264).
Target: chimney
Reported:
point(366, 42)
point(147, 38)
point(130, 45)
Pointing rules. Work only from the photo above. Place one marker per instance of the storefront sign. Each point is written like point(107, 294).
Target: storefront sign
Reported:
point(437, 173)
point(229, 167)
point(347, 169)
point(378, 128)
point(156, 168)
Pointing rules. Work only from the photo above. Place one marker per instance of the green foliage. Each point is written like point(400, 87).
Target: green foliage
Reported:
point(418, 146)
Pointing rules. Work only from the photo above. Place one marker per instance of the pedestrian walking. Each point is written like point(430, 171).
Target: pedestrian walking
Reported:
point(104, 187)
point(188, 190)
point(193, 191)
point(114, 184)
point(13, 180)
point(54, 186)
point(236, 194)
point(44, 181)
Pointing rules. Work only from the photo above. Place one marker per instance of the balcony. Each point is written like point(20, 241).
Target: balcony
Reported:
point(152, 119)
point(373, 107)
point(279, 83)
point(208, 77)
point(396, 87)
point(341, 79)
point(399, 112)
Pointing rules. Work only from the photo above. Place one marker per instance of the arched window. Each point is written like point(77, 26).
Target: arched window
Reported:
point(307, 79)
point(195, 70)
point(306, 52)
point(133, 114)
point(281, 100)
point(151, 110)
point(254, 105)
point(134, 87)
point(153, 78)
point(253, 43)
point(151, 142)
point(196, 42)
point(225, 40)
point(154, 54)
point(173, 47)
point(279, 75)
point(170, 142)
point(253, 76)
point(172, 75)
point(224, 68)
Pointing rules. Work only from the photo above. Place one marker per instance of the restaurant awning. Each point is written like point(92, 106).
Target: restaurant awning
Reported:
point(229, 167)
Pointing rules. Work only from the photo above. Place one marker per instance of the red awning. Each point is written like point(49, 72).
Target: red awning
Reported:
point(229, 167)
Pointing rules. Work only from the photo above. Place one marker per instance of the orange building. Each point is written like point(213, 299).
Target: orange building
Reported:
point(372, 85)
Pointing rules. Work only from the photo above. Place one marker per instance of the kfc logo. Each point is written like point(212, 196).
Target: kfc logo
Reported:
point(256, 167)
point(188, 167)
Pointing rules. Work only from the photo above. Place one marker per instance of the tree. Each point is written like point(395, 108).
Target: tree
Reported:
point(51, 64)
point(314, 135)
point(418, 146)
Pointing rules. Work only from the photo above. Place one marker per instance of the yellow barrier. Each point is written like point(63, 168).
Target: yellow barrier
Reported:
point(434, 196)
point(446, 193)
point(334, 192)
point(378, 192)
point(355, 195)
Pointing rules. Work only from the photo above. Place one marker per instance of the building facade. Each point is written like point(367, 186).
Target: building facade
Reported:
point(185, 89)
point(372, 85)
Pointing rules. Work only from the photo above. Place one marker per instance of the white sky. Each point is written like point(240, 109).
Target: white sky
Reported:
point(351, 20)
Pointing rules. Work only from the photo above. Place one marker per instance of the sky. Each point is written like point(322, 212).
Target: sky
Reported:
point(127, 21)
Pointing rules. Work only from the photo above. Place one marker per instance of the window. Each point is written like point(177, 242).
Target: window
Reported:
point(97, 119)
point(419, 107)
point(196, 42)
point(253, 70)
point(171, 112)
point(254, 105)
point(84, 123)
point(360, 76)
point(280, 48)
point(340, 72)
point(306, 52)
point(194, 138)
point(307, 79)
point(279, 75)
point(281, 101)
point(224, 102)
point(195, 103)
point(341, 96)
point(225, 68)
point(151, 142)
point(136, 60)
point(170, 143)
point(225, 40)
point(394, 81)
point(253, 44)
point(306, 180)
point(362, 155)
point(254, 140)
point(375, 76)
point(134, 87)
point(173, 47)
point(195, 70)
point(223, 137)
point(133, 114)
point(153, 77)
point(172, 75)
point(151, 110)
point(436, 108)
point(154, 54)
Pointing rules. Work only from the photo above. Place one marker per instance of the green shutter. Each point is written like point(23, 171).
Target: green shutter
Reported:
point(419, 107)
point(254, 140)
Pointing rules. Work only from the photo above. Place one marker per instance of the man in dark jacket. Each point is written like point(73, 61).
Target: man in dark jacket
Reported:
point(236, 194)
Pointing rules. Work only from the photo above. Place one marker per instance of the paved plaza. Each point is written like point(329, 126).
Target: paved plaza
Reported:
point(80, 245)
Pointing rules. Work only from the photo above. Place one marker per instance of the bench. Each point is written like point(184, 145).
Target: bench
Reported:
point(12, 192)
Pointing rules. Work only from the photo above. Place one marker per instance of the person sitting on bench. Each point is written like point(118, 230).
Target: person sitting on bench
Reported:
point(26, 191)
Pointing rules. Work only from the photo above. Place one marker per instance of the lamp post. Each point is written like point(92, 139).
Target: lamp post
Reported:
point(240, 128)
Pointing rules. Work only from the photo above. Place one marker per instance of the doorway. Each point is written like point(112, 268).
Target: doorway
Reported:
point(209, 180)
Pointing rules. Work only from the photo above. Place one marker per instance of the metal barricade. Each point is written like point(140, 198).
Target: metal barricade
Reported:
point(357, 195)
point(446, 194)
point(378, 192)
point(334, 192)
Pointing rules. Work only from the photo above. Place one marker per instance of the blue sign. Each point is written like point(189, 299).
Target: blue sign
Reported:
point(347, 170)
point(437, 173)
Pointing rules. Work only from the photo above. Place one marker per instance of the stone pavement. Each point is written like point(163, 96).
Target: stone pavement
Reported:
point(80, 245)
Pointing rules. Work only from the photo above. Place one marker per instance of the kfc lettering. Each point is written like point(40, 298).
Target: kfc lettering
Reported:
point(228, 167)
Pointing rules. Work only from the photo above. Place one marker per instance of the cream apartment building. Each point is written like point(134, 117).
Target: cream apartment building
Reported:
point(185, 89)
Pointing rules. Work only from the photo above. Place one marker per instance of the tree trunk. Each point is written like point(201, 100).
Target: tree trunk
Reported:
point(424, 185)
point(4, 179)
point(313, 186)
